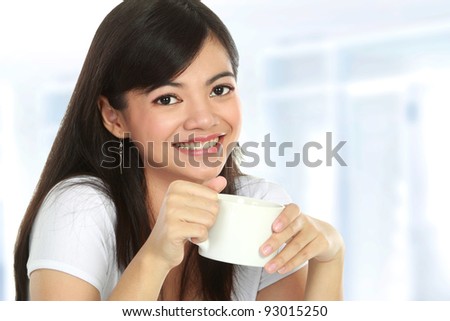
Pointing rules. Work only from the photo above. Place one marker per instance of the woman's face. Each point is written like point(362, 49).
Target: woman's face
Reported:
point(187, 128)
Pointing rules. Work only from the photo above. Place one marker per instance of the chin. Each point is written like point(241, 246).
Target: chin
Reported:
point(201, 174)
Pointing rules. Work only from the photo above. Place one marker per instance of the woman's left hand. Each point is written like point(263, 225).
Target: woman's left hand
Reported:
point(306, 238)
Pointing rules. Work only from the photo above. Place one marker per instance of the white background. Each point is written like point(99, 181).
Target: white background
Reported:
point(374, 73)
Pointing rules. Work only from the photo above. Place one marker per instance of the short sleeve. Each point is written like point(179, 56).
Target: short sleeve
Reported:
point(74, 233)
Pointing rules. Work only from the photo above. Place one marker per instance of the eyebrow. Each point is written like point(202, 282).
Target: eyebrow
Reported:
point(208, 82)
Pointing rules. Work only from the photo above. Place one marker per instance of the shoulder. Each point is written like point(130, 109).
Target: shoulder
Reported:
point(78, 190)
point(79, 198)
point(74, 232)
point(261, 188)
point(81, 186)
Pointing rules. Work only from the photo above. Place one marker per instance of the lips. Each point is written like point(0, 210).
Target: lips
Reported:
point(208, 143)
point(198, 145)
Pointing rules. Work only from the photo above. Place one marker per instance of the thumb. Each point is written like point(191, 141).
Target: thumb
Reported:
point(217, 183)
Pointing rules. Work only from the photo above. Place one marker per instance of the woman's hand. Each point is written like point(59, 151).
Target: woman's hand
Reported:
point(187, 213)
point(306, 238)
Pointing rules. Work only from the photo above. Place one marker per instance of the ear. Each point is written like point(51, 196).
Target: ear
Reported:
point(112, 118)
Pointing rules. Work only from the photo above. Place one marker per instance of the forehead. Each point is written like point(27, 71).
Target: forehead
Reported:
point(212, 57)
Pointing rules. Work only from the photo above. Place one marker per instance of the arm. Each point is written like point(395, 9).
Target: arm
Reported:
point(324, 281)
point(53, 285)
point(188, 211)
point(290, 288)
point(141, 280)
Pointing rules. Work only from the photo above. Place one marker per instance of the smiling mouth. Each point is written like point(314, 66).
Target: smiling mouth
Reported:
point(199, 145)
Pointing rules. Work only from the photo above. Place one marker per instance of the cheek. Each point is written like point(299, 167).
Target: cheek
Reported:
point(151, 128)
point(149, 136)
point(234, 118)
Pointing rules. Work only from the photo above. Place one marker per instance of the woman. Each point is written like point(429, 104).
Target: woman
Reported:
point(133, 176)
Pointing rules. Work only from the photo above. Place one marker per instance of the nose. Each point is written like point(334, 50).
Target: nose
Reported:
point(200, 116)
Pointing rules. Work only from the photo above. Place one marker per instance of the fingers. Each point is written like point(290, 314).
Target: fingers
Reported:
point(300, 236)
point(193, 203)
point(188, 211)
point(195, 232)
point(288, 223)
point(177, 201)
point(289, 214)
point(192, 215)
point(209, 188)
point(217, 183)
point(193, 189)
point(190, 203)
point(301, 248)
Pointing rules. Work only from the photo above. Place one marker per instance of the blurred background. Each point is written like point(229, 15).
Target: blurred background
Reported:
point(375, 74)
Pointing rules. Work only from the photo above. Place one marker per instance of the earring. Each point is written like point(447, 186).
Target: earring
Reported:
point(121, 156)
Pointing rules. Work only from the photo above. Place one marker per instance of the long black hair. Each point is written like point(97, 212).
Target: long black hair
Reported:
point(141, 44)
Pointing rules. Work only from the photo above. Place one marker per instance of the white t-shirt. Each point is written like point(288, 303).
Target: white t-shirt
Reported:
point(74, 233)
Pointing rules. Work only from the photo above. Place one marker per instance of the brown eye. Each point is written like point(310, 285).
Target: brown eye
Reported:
point(167, 100)
point(220, 91)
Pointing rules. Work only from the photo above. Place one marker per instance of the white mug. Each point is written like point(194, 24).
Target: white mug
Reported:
point(243, 224)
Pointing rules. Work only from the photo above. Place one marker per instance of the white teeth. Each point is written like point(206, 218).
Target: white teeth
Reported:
point(198, 145)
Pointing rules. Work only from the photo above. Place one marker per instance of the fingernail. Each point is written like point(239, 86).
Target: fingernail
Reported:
point(267, 249)
point(272, 267)
point(278, 226)
point(282, 270)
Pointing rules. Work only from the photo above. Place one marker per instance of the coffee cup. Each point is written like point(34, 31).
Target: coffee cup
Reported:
point(243, 224)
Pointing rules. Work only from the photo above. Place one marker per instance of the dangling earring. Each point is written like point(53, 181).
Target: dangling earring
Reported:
point(121, 156)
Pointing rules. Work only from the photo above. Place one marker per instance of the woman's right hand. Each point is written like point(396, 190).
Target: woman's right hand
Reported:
point(188, 211)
